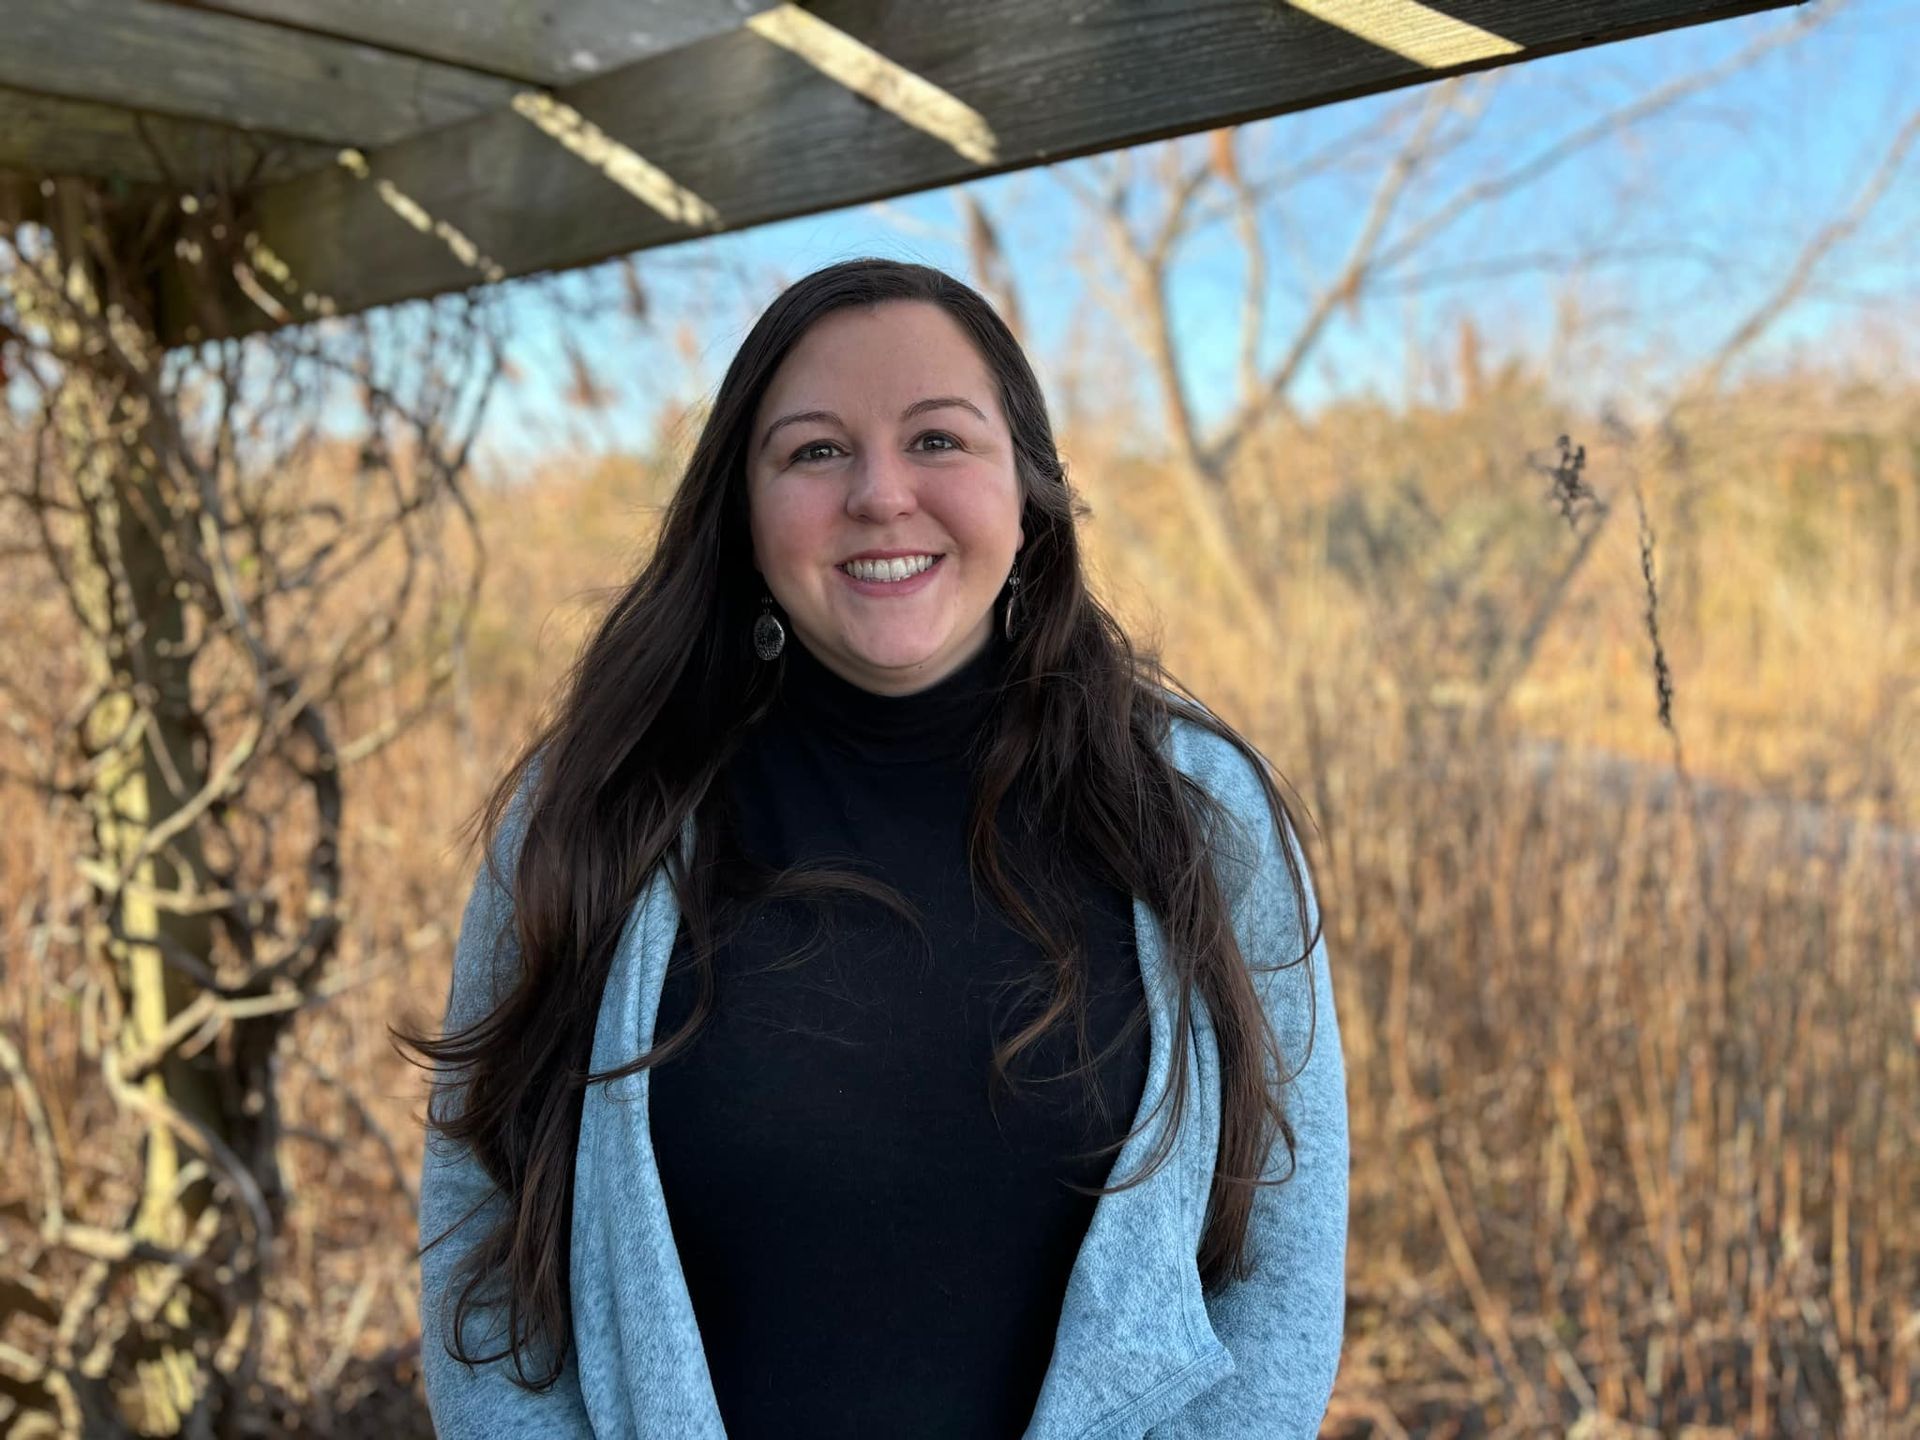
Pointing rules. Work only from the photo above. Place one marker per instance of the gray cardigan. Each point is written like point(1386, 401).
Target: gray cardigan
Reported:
point(1139, 1354)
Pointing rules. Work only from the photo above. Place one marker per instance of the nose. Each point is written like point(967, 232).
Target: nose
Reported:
point(880, 486)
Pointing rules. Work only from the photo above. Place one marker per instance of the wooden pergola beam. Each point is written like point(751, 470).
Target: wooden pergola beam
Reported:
point(52, 135)
point(550, 44)
point(769, 121)
point(198, 65)
point(791, 112)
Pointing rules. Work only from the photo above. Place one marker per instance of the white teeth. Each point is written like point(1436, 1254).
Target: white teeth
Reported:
point(900, 568)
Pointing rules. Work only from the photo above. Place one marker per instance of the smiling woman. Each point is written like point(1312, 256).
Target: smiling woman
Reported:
point(727, 1137)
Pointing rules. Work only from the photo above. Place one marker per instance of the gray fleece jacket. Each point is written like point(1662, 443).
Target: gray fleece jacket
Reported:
point(1139, 1354)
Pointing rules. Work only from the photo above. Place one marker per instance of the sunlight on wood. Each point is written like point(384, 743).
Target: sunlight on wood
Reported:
point(891, 86)
point(646, 182)
point(409, 210)
point(261, 260)
point(1407, 28)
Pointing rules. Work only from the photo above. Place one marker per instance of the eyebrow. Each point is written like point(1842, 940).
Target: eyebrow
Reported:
point(919, 407)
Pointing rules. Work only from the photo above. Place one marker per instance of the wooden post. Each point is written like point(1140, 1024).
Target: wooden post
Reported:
point(135, 630)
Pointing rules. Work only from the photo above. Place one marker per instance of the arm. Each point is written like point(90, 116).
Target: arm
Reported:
point(474, 1401)
point(1284, 1324)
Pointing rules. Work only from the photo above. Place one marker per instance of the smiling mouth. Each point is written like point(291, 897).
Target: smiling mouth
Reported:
point(883, 575)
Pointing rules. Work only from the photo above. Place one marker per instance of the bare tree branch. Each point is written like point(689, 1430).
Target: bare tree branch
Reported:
point(1794, 284)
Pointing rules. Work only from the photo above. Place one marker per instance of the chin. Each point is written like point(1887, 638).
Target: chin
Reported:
point(895, 654)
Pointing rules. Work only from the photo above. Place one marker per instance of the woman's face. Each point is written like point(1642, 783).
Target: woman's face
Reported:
point(882, 432)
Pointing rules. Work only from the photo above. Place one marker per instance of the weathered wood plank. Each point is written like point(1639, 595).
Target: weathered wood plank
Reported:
point(20, 200)
point(548, 44)
point(737, 130)
point(51, 136)
point(195, 64)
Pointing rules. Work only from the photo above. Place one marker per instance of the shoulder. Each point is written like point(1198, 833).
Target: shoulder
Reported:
point(1254, 864)
point(1214, 763)
point(511, 833)
point(1232, 779)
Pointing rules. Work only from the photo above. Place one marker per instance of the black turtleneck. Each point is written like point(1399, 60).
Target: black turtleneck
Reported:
point(869, 1248)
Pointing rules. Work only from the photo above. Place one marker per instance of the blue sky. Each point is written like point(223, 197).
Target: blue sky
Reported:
point(1705, 206)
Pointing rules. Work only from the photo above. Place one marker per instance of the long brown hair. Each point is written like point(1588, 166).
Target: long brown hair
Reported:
point(652, 708)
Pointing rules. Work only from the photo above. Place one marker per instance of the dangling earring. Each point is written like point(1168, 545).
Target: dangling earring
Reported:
point(769, 635)
point(1013, 595)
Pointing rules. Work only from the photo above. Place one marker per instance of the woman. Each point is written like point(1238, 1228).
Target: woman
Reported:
point(857, 802)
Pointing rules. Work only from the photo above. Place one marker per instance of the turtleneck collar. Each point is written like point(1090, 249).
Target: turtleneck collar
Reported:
point(936, 723)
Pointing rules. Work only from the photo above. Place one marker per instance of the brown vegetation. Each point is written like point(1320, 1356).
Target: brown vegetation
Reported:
point(1633, 1128)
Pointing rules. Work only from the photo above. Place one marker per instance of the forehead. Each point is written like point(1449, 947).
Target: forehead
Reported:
point(885, 355)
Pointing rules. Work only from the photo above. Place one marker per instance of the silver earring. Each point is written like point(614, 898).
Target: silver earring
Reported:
point(1013, 595)
point(769, 635)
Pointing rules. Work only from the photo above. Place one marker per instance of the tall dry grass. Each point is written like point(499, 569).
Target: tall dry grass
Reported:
point(1633, 1079)
point(1632, 1065)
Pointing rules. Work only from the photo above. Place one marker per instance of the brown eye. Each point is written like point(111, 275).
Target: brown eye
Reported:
point(951, 444)
point(805, 452)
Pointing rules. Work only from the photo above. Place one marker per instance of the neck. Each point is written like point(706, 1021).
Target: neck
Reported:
point(937, 722)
